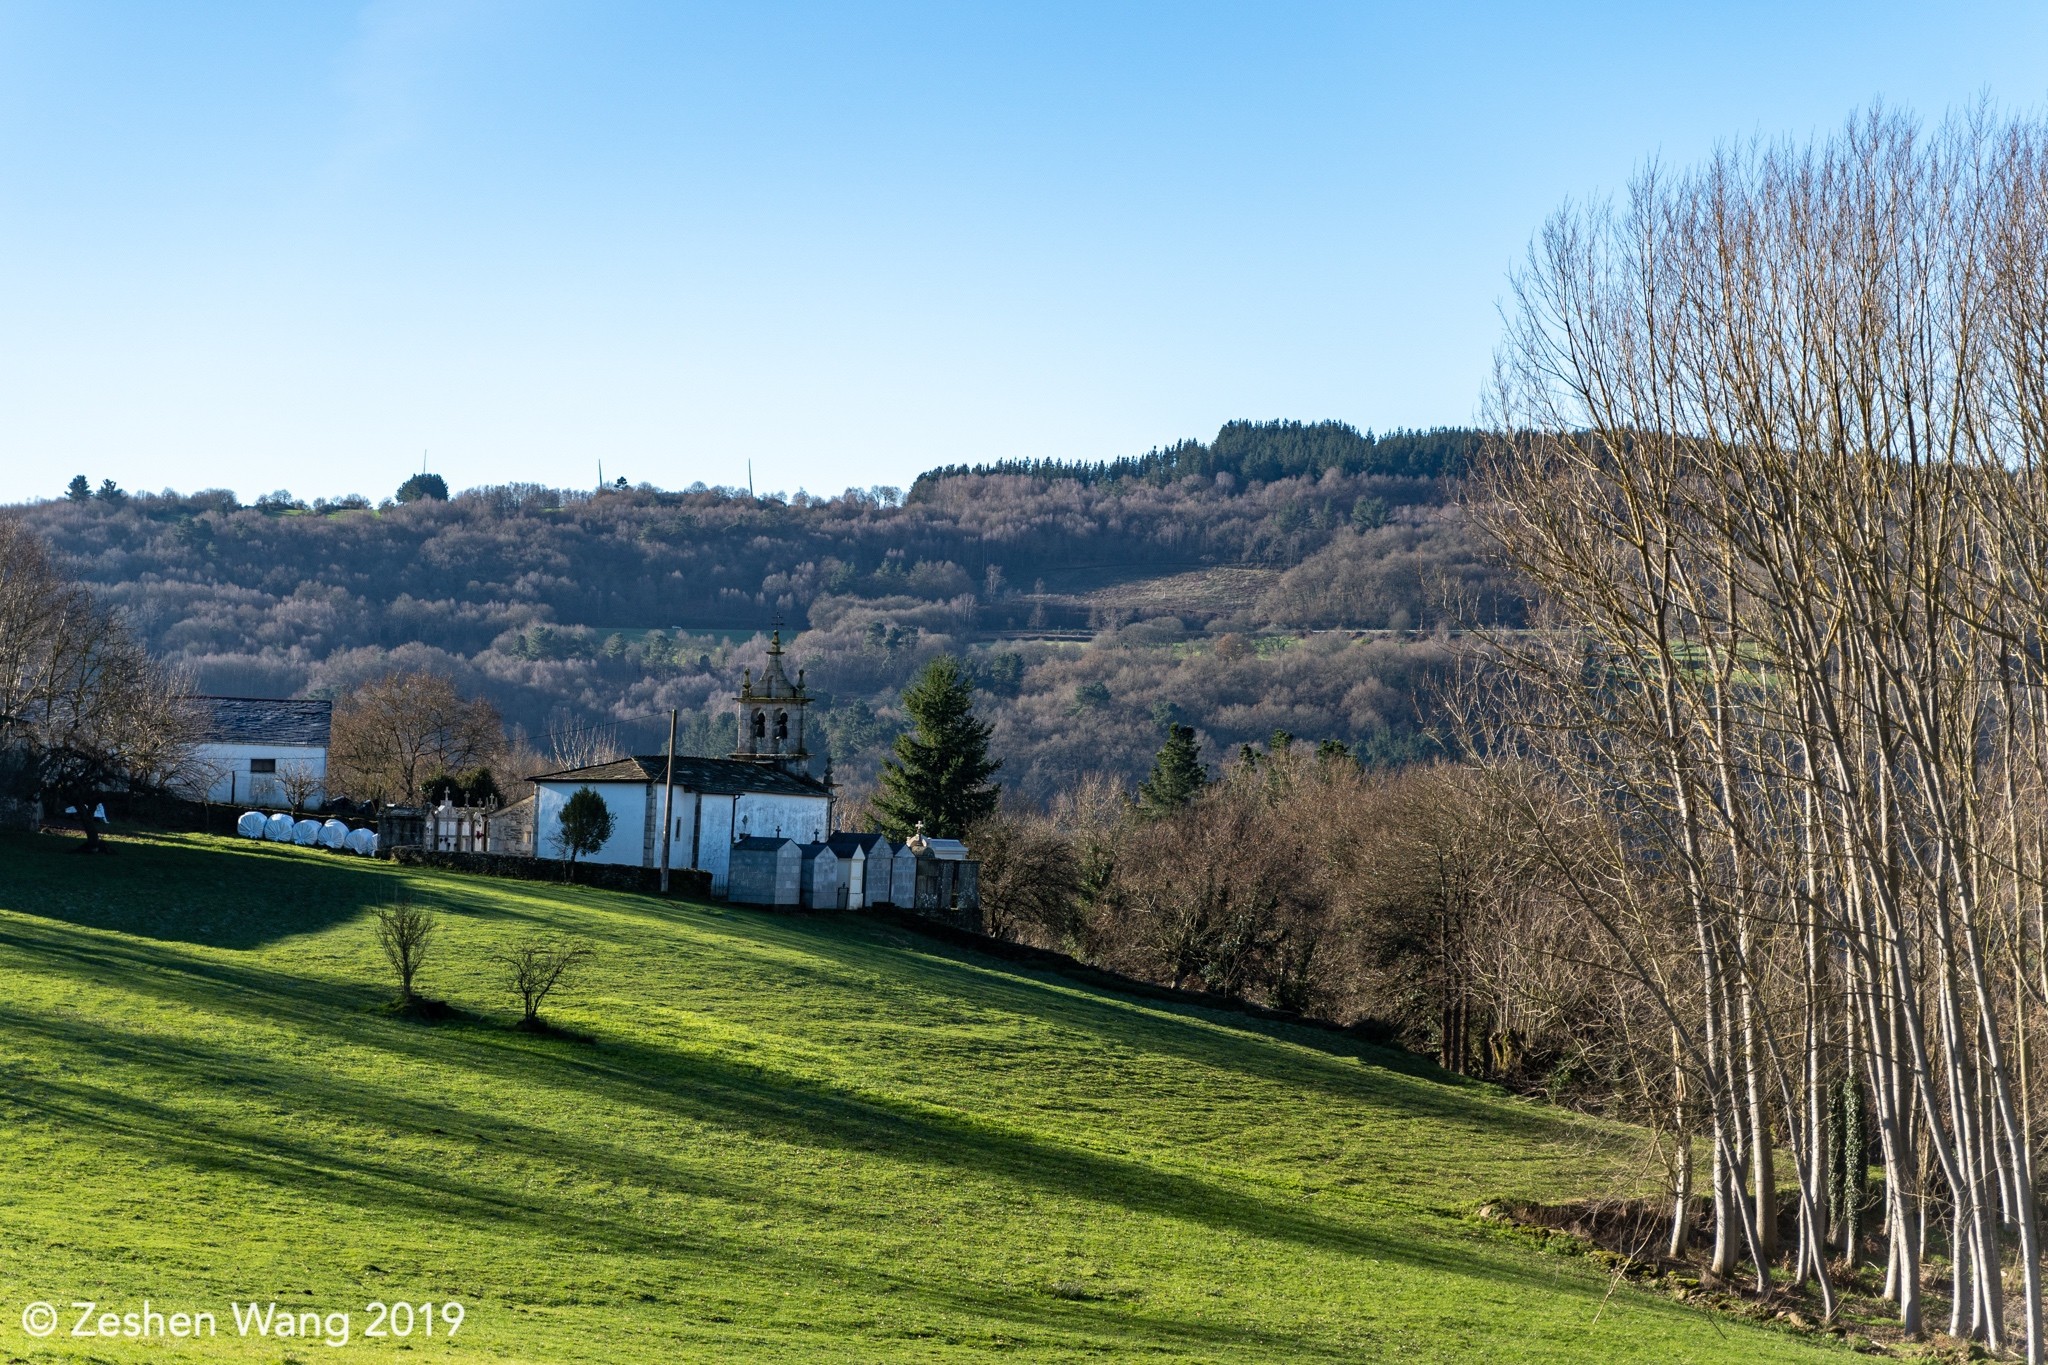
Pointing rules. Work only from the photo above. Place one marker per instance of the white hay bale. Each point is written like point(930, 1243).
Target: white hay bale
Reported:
point(250, 826)
point(333, 834)
point(279, 828)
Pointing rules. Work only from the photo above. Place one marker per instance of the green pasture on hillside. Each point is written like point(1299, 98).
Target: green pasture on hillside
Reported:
point(816, 1138)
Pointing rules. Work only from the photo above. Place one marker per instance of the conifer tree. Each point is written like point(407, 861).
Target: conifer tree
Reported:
point(940, 771)
point(1177, 773)
point(587, 822)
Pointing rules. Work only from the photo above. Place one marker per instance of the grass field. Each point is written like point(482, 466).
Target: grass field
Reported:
point(791, 1139)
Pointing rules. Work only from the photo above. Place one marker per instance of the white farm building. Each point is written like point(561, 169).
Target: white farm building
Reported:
point(257, 750)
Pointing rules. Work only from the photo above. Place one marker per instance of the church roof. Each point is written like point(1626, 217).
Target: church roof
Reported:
point(714, 776)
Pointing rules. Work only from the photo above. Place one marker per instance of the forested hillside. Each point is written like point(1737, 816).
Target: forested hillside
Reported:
point(1096, 603)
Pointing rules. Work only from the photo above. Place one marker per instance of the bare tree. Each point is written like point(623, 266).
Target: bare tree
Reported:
point(392, 734)
point(405, 931)
point(575, 743)
point(300, 783)
point(536, 970)
point(80, 696)
point(1030, 877)
point(1772, 447)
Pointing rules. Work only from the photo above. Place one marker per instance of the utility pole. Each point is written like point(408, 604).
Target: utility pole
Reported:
point(668, 800)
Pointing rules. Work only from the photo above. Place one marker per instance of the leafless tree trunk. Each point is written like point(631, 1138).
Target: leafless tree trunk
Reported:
point(1774, 449)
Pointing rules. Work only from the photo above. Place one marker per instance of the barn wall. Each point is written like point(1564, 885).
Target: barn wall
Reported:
point(238, 785)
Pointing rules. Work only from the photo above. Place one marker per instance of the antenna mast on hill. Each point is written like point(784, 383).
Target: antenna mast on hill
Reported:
point(750, 478)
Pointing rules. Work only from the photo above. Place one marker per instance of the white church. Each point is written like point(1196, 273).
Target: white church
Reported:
point(764, 790)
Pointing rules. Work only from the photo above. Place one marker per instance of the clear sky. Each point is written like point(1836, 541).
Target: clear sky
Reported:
point(296, 245)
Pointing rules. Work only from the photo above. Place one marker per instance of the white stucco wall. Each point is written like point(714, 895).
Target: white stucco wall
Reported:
point(706, 820)
point(628, 804)
point(801, 818)
point(225, 770)
point(714, 840)
point(682, 819)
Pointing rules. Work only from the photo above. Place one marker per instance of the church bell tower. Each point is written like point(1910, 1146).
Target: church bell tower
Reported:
point(771, 716)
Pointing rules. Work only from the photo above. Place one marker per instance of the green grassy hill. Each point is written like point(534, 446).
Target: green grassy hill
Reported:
point(792, 1138)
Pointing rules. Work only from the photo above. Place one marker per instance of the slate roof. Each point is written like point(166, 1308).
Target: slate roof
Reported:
point(847, 843)
point(717, 776)
point(267, 720)
point(762, 843)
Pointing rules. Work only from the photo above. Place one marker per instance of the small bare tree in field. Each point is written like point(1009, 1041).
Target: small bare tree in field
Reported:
point(300, 784)
point(405, 931)
point(536, 969)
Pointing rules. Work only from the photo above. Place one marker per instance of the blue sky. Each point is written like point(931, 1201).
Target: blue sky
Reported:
point(296, 245)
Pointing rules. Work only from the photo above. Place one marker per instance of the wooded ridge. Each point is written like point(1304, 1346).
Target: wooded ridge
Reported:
point(1207, 564)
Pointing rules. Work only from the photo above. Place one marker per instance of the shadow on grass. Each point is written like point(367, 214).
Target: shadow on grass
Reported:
point(419, 1191)
point(849, 953)
point(239, 896)
point(751, 1102)
point(759, 1104)
point(228, 895)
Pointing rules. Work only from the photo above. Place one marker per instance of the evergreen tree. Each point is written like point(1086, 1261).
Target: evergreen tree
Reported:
point(587, 822)
point(79, 489)
point(424, 487)
point(1177, 773)
point(940, 771)
point(480, 787)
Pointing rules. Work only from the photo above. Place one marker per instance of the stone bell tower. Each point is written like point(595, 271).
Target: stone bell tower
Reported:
point(771, 716)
